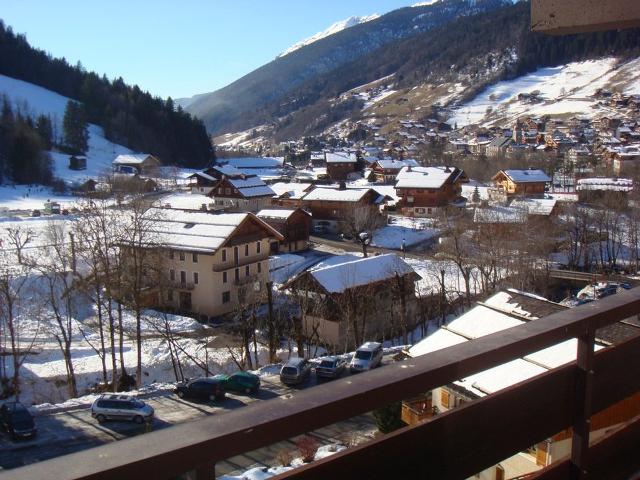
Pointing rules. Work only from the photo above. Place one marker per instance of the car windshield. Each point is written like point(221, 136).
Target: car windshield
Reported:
point(362, 355)
point(289, 371)
point(327, 363)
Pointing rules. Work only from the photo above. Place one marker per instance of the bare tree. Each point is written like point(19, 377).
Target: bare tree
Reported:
point(360, 222)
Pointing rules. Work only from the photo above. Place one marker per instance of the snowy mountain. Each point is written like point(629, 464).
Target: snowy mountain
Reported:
point(32, 100)
point(333, 29)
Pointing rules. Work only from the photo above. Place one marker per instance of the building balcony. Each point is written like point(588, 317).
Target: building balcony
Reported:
point(178, 285)
point(455, 444)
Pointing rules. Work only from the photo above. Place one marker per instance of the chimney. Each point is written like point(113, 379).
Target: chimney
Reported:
point(343, 186)
point(448, 170)
point(408, 168)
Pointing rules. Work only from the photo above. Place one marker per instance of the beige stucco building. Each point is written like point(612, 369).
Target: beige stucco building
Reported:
point(214, 262)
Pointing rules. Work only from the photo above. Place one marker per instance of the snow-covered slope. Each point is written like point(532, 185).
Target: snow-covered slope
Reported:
point(566, 89)
point(32, 100)
point(334, 28)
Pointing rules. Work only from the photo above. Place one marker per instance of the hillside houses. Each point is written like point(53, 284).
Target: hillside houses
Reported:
point(244, 193)
point(387, 170)
point(293, 224)
point(341, 164)
point(140, 164)
point(512, 183)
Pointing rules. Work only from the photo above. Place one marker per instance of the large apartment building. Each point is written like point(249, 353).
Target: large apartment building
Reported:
point(213, 262)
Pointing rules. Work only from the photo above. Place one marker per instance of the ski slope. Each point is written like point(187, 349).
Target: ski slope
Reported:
point(32, 100)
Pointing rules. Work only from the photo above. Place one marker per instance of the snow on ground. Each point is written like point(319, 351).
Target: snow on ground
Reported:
point(32, 100)
point(567, 89)
point(403, 230)
point(25, 197)
point(378, 98)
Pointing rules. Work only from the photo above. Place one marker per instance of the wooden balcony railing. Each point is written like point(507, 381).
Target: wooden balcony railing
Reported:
point(452, 445)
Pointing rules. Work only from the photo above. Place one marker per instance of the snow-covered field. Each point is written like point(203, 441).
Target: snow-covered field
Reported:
point(32, 100)
point(566, 89)
point(404, 230)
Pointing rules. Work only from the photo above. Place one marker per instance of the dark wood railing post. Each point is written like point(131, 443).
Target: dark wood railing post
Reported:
point(583, 405)
point(205, 471)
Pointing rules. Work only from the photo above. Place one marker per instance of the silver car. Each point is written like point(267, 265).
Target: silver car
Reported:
point(121, 407)
point(295, 371)
point(367, 356)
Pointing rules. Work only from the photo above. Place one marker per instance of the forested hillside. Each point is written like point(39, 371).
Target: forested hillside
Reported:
point(129, 116)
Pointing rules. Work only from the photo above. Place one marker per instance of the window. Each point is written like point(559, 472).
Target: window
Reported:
point(183, 277)
point(182, 256)
point(444, 397)
point(195, 278)
point(224, 277)
point(237, 274)
point(259, 267)
point(194, 257)
point(171, 254)
point(227, 191)
point(224, 254)
point(226, 297)
point(258, 246)
point(220, 191)
point(246, 250)
point(170, 295)
point(247, 272)
point(172, 275)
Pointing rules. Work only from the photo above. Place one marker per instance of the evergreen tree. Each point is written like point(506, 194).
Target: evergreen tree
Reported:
point(388, 418)
point(45, 130)
point(74, 127)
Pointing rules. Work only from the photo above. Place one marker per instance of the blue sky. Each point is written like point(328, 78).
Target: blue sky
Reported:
point(177, 48)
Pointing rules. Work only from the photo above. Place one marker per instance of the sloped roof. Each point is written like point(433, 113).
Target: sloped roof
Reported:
point(426, 177)
point(535, 206)
point(278, 213)
point(503, 310)
point(255, 162)
point(336, 194)
point(526, 176)
point(341, 277)
point(341, 157)
point(388, 164)
point(128, 159)
point(612, 184)
point(499, 214)
point(194, 231)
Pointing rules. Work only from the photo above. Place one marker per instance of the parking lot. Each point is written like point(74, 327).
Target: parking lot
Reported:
point(73, 430)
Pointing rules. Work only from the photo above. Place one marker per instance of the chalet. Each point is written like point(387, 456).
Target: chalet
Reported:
point(578, 154)
point(203, 182)
point(341, 164)
point(357, 300)
point(625, 159)
point(247, 193)
point(77, 163)
point(615, 189)
point(331, 206)
point(209, 261)
point(387, 170)
point(293, 224)
point(422, 190)
point(255, 163)
point(140, 164)
point(507, 309)
point(289, 194)
point(521, 182)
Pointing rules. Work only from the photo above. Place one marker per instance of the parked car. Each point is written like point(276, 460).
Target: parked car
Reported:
point(330, 367)
point(295, 371)
point(121, 407)
point(205, 388)
point(367, 356)
point(244, 382)
point(319, 229)
point(16, 420)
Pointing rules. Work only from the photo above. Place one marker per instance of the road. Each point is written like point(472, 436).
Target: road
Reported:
point(350, 246)
point(74, 430)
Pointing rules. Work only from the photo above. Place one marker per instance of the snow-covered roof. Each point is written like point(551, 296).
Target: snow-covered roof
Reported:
point(228, 170)
point(341, 277)
point(535, 206)
point(499, 312)
point(295, 190)
point(397, 164)
point(251, 186)
point(614, 184)
point(128, 159)
point(425, 177)
point(276, 213)
point(341, 157)
point(205, 176)
point(255, 162)
point(333, 194)
point(201, 232)
point(527, 176)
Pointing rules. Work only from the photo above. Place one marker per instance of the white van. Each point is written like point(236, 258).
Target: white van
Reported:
point(367, 356)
